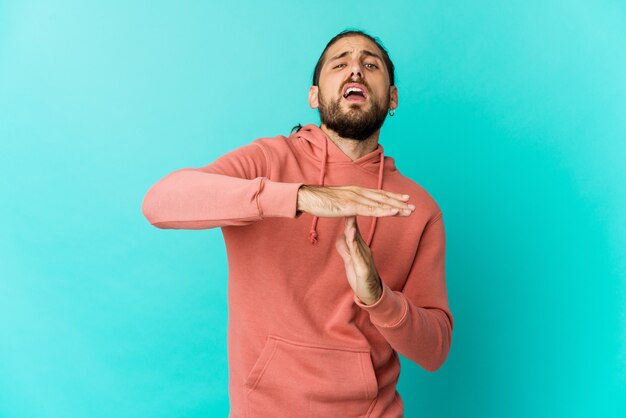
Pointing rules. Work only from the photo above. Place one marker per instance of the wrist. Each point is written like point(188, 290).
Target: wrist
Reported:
point(301, 200)
point(375, 295)
point(378, 293)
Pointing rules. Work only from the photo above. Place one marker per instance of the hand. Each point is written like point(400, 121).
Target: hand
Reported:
point(359, 264)
point(337, 201)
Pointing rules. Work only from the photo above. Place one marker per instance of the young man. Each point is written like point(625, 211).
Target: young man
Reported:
point(317, 311)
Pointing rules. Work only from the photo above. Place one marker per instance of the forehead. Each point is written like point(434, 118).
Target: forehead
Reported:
point(352, 44)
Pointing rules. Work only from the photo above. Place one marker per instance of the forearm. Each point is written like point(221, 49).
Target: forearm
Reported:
point(417, 321)
point(194, 199)
point(423, 335)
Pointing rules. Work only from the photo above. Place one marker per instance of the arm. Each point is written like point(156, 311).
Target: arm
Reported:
point(233, 190)
point(417, 321)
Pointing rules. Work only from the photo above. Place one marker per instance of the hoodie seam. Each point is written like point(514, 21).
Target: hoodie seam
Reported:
point(258, 193)
point(267, 160)
point(434, 219)
point(165, 222)
point(400, 321)
point(263, 180)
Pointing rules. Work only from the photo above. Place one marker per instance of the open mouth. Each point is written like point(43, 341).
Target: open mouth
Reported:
point(355, 93)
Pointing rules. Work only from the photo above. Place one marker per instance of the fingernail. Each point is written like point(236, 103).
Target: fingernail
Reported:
point(405, 196)
point(412, 207)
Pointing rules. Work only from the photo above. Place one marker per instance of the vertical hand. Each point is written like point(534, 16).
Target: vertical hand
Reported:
point(358, 262)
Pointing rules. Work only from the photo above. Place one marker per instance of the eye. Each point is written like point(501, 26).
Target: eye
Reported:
point(339, 65)
point(371, 66)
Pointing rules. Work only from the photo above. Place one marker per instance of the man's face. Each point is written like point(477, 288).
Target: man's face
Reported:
point(353, 94)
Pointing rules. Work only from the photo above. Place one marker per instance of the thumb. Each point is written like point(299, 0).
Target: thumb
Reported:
point(350, 230)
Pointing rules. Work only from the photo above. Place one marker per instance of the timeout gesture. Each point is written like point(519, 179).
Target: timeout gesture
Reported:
point(359, 263)
point(337, 201)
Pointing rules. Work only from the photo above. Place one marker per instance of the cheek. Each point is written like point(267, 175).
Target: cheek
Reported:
point(383, 94)
point(328, 94)
point(331, 84)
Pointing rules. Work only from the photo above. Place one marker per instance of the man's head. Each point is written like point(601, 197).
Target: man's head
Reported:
point(353, 85)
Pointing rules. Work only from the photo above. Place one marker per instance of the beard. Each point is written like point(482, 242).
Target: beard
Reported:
point(355, 123)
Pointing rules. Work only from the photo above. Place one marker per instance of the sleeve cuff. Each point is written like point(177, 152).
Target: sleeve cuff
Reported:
point(388, 311)
point(278, 199)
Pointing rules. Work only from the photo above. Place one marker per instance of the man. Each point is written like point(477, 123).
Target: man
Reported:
point(318, 311)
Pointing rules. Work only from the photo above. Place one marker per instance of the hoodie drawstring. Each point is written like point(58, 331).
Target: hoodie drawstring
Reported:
point(380, 187)
point(313, 232)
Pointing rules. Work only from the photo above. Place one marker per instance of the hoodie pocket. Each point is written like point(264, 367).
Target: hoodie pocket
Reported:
point(291, 379)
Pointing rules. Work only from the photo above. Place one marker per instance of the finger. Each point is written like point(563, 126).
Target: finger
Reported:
point(397, 196)
point(379, 211)
point(370, 207)
point(389, 198)
point(350, 229)
point(342, 247)
point(357, 232)
point(356, 244)
point(361, 199)
point(344, 253)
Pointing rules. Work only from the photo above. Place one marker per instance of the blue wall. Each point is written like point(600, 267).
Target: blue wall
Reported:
point(512, 115)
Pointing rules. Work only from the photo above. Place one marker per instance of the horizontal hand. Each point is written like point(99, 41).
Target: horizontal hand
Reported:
point(337, 201)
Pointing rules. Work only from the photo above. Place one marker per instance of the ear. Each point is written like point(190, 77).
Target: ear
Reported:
point(393, 94)
point(313, 101)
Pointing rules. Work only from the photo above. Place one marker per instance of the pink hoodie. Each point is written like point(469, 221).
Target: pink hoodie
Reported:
point(300, 343)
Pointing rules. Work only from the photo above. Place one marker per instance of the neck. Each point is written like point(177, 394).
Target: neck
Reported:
point(353, 148)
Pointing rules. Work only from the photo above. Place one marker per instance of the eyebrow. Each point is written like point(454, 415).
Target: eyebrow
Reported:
point(364, 52)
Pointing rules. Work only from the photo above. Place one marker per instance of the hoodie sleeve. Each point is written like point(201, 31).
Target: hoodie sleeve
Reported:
point(417, 321)
point(232, 190)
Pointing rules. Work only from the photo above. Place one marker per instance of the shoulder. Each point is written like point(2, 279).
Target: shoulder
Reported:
point(271, 142)
point(275, 145)
point(426, 205)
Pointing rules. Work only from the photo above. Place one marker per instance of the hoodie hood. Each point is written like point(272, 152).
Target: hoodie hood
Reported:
point(325, 151)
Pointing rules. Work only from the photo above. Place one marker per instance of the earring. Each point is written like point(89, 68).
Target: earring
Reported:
point(392, 112)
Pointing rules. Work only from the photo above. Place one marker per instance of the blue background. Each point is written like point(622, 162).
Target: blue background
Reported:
point(511, 114)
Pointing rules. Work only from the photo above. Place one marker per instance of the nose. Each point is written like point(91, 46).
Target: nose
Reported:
point(355, 68)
